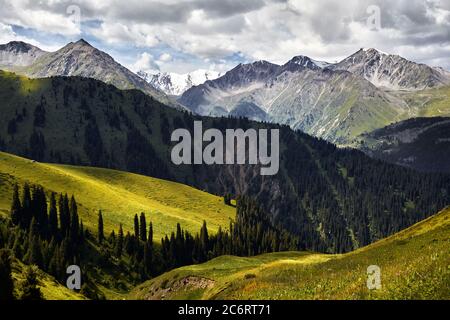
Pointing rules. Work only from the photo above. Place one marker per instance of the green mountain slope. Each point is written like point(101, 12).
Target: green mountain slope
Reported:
point(335, 200)
point(428, 103)
point(120, 195)
point(414, 263)
point(420, 143)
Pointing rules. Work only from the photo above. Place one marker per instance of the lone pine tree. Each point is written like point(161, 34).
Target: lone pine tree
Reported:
point(101, 234)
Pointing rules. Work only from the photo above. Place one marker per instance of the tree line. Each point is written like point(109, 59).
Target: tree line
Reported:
point(45, 232)
point(251, 233)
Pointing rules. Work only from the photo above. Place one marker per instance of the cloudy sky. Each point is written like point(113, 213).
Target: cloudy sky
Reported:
point(185, 35)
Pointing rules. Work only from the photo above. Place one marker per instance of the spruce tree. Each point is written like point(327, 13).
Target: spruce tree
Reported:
point(81, 231)
point(16, 207)
point(39, 209)
point(34, 255)
point(66, 215)
point(74, 223)
point(129, 244)
point(143, 228)
point(136, 226)
point(6, 281)
point(30, 289)
point(53, 216)
point(150, 234)
point(26, 207)
point(204, 238)
point(112, 238)
point(101, 234)
point(61, 213)
point(148, 258)
point(120, 239)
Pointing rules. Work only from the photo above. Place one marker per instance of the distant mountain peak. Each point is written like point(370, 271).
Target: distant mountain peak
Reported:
point(19, 46)
point(19, 54)
point(299, 62)
point(80, 44)
point(392, 71)
point(374, 50)
point(261, 62)
point(83, 42)
point(78, 58)
point(175, 84)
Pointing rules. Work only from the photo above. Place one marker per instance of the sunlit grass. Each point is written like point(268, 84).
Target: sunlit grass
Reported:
point(415, 264)
point(119, 195)
point(50, 288)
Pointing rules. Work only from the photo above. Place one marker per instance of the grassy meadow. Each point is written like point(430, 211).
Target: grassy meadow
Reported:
point(120, 195)
point(415, 264)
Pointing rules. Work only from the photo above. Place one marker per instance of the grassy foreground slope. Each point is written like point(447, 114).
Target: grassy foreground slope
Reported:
point(120, 195)
point(415, 264)
point(50, 288)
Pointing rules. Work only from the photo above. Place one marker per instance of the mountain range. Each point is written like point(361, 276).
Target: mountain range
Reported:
point(174, 84)
point(342, 102)
point(392, 71)
point(333, 101)
point(75, 59)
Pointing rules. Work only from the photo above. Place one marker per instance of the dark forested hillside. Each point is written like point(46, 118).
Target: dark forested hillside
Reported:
point(419, 143)
point(333, 200)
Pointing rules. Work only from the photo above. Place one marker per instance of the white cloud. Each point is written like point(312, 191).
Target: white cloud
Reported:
point(118, 33)
point(273, 30)
point(145, 62)
point(25, 14)
point(7, 34)
point(165, 57)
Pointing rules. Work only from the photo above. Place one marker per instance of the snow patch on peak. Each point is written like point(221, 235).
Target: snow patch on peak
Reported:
point(175, 84)
point(375, 50)
point(321, 64)
point(307, 62)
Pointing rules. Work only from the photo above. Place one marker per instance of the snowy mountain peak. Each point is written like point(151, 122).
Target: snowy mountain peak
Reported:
point(175, 84)
point(374, 51)
point(300, 62)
